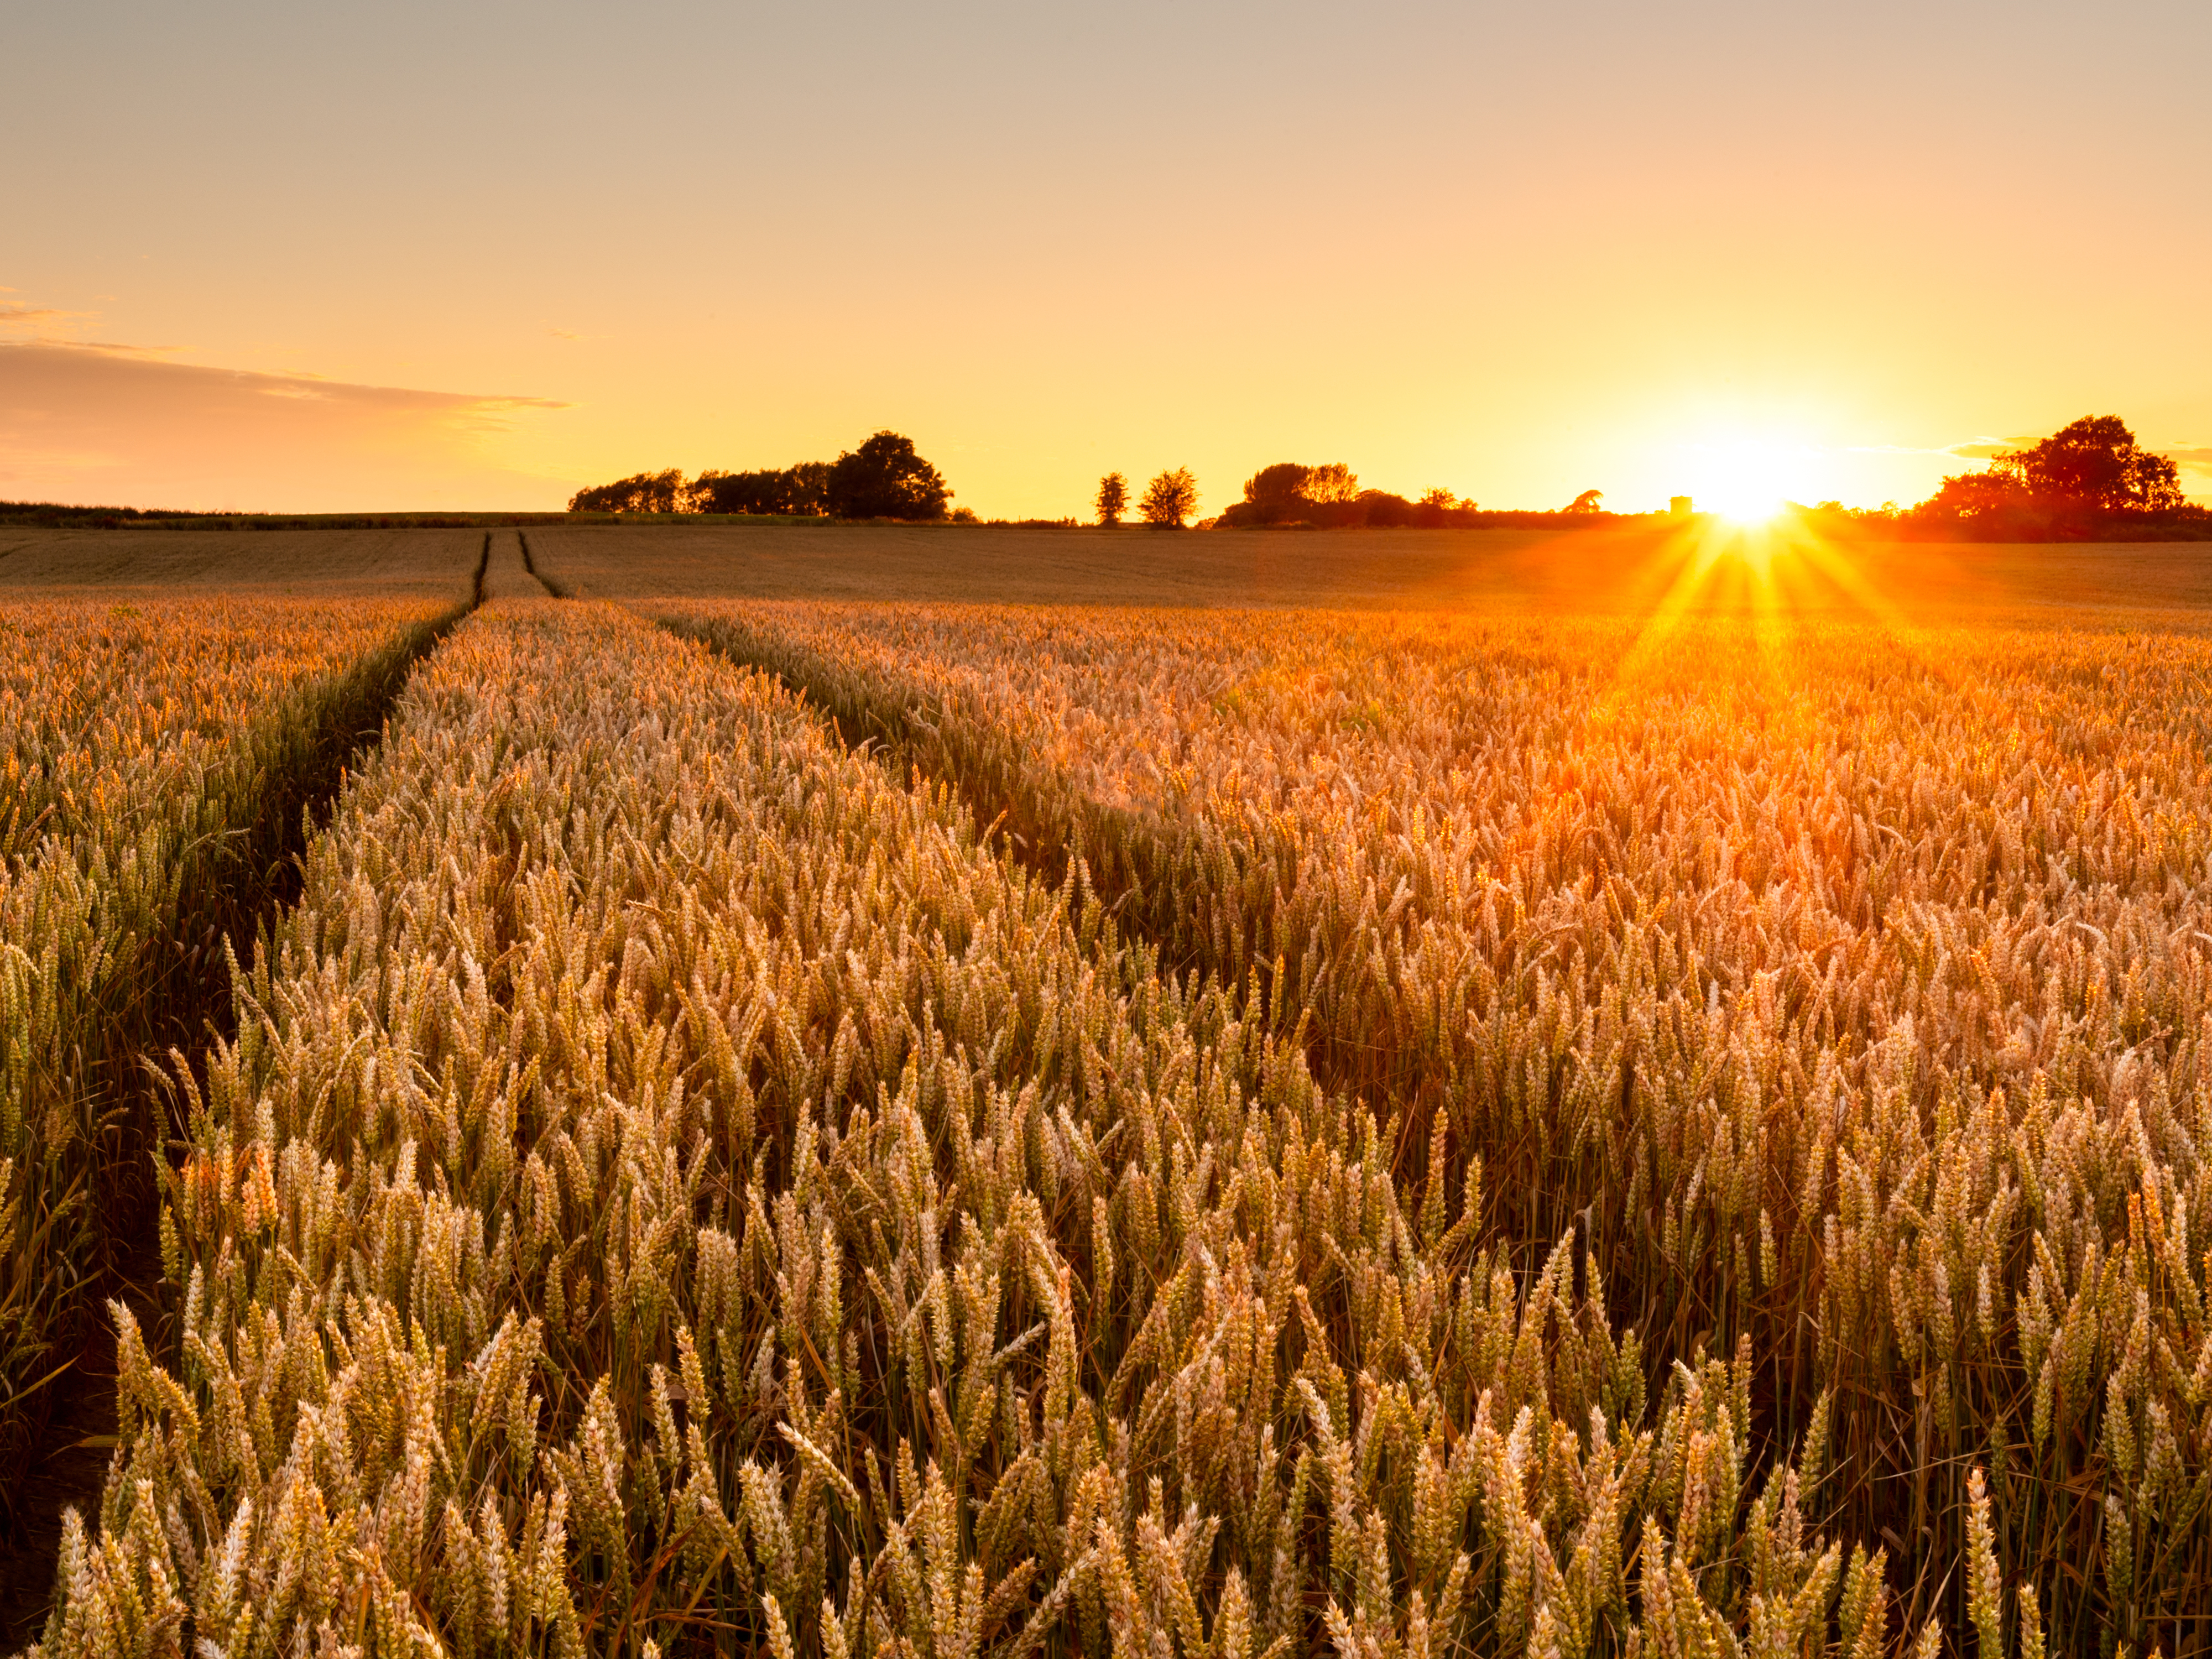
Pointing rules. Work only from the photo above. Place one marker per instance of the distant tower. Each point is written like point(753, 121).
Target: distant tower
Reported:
point(1679, 505)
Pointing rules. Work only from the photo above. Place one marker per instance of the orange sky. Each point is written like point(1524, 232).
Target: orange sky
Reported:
point(281, 257)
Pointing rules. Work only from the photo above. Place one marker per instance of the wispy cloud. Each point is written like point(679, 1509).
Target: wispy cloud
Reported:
point(2190, 458)
point(1972, 449)
point(40, 318)
point(85, 420)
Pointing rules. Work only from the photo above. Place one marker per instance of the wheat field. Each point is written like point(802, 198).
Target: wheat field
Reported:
point(924, 1131)
point(1840, 992)
point(144, 754)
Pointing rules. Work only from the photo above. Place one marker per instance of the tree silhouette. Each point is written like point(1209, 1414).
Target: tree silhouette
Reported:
point(1329, 497)
point(797, 491)
point(1588, 502)
point(1170, 498)
point(642, 492)
point(1983, 495)
point(2096, 462)
point(2084, 470)
point(1331, 484)
point(883, 478)
point(1112, 498)
point(1276, 493)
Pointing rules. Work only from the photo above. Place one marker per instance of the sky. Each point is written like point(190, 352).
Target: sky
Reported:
point(301, 258)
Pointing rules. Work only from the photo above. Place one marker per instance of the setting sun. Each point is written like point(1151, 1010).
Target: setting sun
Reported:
point(1752, 505)
point(1745, 480)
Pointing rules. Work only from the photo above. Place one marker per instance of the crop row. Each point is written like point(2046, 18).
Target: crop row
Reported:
point(1843, 992)
point(675, 1188)
point(150, 770)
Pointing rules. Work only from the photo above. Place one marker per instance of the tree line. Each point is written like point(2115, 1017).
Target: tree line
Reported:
point(882, 478)
point(2091, 478)
point(885, 478)
point(1290, 494)
point(1327, 496)
point(2088, 481)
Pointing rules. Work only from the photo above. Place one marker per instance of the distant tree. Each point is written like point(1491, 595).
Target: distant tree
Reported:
point(1112, 498)
point(2062, 485)
point(735, 492)
point(1588, 502)
point(1439, 509)
point(1378, 509)
point(707, 492)
point(1170, 498)
point(1273, 494)
point(794, 491)
point(806, 488)
point(2096, 462)
point(1971, 496)
point(642, 492)
point(1331, 484)
point(1329, 497)
point(885, 478)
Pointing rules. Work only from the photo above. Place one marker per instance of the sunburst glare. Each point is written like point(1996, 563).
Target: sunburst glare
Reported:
point(1746, 481)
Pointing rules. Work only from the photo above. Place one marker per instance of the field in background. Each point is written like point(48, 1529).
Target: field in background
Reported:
point(428, 564)
point(1628, 572)
point(1615, 572)
point(1427, 1094)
